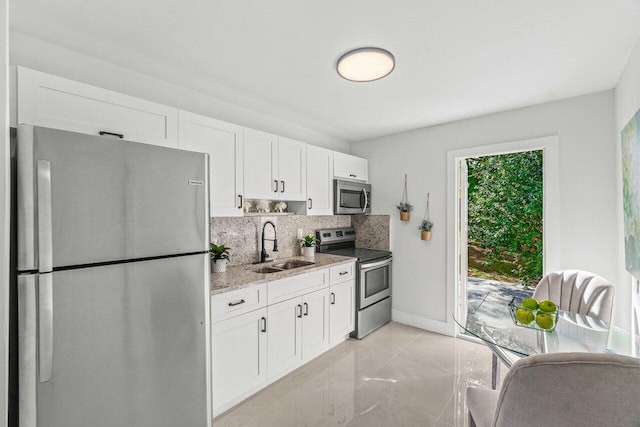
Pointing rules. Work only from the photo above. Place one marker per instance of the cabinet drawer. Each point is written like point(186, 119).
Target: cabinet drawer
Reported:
point(291, 287)
point(342, 273)
point(234, 303)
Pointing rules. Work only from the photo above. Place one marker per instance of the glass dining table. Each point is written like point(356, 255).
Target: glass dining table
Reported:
point(492, 322)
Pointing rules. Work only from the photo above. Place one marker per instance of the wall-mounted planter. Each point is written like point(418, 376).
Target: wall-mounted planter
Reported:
point(404, 206)
point(425, 235)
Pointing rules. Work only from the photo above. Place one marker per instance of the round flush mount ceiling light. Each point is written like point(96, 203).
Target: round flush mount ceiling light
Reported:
point(365, 64)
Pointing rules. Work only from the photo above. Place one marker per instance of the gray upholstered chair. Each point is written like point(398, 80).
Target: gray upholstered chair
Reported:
point(562, 390)
point(579, 292)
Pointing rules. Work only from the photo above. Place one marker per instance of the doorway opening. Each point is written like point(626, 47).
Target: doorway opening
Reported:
point(500, 208)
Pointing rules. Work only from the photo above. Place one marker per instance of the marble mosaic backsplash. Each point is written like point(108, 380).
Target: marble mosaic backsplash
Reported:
point(243, 234)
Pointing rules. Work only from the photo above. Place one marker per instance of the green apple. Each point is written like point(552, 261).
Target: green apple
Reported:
point(524, 315)
point(530, 303)
point(548, 306)
point(544, 320)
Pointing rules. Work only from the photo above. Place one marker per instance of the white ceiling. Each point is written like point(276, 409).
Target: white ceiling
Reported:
point(454, 59)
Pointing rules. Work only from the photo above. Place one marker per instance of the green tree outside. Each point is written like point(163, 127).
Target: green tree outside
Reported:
point(505, 214)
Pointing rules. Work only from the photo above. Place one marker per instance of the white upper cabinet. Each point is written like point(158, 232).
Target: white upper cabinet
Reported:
point(319, 181)
point(292, 167)
point(260, 157)
point(274, 168)
point(346, 166)
point(224, 144)
point(54, 102)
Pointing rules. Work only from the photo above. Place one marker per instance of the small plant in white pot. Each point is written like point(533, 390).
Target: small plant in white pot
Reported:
point(308, 244)
point(219, 258)
point(425, 229)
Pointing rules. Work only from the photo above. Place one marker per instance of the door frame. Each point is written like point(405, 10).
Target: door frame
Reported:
point(550, 216)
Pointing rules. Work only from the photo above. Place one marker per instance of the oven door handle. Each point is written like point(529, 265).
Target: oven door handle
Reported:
point(376, 264)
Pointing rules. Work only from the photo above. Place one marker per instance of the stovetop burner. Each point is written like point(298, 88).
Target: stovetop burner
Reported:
point(342, 241)
point(363, 255)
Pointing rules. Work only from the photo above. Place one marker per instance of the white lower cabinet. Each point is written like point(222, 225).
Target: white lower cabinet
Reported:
point(239, 362)
point(298, 331)
point(291, 321)
point(341, 310)
point(284, 335)
point(315, 324)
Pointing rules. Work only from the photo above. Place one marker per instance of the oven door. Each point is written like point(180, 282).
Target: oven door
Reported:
point(375, 282)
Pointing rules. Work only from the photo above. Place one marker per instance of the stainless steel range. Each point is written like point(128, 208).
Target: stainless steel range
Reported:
point(373, 281)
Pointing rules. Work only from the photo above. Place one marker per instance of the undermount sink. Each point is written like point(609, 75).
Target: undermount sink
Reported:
point(266, 269)
point(288, 265)
point(292, 264)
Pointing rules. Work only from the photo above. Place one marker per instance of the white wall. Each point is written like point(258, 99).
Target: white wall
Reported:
point(49, 58)
point(587, 215)
point(627, 102)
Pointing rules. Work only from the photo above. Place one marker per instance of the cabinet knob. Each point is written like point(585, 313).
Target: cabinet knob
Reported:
point(282, 191)
point(240, 201)
point(310, 204)
point(276, 181)
point(264, 324)
point(333, 298)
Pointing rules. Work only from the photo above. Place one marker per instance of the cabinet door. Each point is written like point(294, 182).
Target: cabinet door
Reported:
point(292, 167)
point(54, 102)
point(238, 352)
point(284, 336)
point(350, 167)
point(260, 165)
point(319, 181)
point(224, 144)
point(341, 310)
point(315, 323)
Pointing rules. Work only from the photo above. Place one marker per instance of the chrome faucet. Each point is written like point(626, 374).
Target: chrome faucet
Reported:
point(263, 253)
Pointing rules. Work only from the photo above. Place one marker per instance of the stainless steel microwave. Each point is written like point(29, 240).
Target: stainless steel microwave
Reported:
point(351, 197)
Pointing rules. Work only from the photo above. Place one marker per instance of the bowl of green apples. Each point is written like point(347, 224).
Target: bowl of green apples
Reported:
point(533, 314)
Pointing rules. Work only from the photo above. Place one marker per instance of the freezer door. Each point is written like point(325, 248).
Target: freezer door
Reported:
point(128, 346)
point(109, 199)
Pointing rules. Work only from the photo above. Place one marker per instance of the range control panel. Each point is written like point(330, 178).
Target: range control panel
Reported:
point(336, 235)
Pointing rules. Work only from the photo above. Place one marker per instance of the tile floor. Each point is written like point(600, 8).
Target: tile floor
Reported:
point(397, 376)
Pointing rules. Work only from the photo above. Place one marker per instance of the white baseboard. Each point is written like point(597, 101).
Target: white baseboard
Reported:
point(436, 326)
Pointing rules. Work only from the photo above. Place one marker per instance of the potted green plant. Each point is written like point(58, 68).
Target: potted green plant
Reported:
point(219, 258)
point(425, 229)
point(405, 208)
point(308, 244)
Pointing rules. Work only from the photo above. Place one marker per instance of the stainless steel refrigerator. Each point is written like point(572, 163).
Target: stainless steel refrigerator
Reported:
point(113, 282)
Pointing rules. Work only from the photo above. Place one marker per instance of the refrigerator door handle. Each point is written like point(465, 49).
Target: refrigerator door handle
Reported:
point(45, 326)
point(45, 245)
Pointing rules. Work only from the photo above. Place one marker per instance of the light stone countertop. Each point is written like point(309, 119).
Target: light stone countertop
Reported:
point(242, 276)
